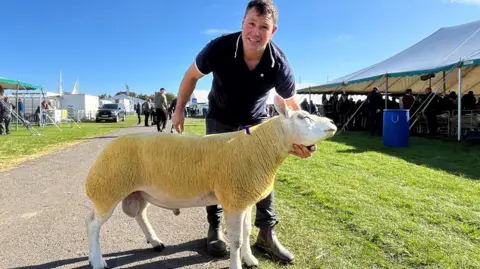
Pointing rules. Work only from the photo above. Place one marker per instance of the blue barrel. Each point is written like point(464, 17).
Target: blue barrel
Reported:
point(395, 127)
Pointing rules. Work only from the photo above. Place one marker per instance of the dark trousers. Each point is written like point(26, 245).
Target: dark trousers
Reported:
point(5, 125)
point(139, 118)
point(265, 216)
point(2, 128)
point(161, 118)
point(146, 117)
point(431, 122)
point(373, 124)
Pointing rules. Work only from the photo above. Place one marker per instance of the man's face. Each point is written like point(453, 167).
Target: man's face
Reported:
point(162, 91)
point(257, 30)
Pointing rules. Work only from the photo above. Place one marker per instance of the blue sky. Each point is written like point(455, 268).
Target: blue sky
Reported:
point(149, 44)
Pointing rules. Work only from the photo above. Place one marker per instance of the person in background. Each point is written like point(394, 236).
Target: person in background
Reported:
point(3, 112)
point(146, 107)
point(6, 115)
point(138, 111)
point(21, 109)
point(431, 110)
point(374, 105)
point(469, 101)
point(161, 109)
point(304, 105)
point(43, 112)
point(171, 108)
point(408, 99)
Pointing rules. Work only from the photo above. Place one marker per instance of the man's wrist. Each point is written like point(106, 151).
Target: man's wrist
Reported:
point(179, 106)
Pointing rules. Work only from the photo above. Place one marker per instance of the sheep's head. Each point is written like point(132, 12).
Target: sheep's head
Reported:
point(302, 127)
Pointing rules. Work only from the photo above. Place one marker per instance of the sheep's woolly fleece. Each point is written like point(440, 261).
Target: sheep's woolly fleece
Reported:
point(239, 167)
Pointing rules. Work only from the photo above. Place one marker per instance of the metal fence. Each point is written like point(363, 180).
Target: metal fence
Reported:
point(64, 115)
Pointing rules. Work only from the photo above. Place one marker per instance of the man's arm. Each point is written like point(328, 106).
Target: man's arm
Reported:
point(187, 86)
point(285, 86)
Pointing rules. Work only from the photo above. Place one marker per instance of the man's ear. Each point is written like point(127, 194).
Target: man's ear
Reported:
point(281, 106)
point(274, 29)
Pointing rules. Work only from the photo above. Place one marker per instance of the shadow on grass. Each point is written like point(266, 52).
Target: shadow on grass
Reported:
point(124, 258)
point(456, 158)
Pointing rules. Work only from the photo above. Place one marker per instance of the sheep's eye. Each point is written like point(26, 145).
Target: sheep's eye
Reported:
point(305, 117)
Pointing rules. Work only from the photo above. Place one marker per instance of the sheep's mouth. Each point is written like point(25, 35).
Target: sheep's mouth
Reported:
point(311, 148)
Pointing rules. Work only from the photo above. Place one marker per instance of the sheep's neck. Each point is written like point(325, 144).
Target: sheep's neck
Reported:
point(266, 147)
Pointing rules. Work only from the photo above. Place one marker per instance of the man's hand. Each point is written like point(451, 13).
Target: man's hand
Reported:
point(301, 151)
point(177, 120)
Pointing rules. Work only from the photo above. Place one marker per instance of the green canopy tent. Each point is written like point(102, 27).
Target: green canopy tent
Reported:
point(17, 85)
point(10, 84)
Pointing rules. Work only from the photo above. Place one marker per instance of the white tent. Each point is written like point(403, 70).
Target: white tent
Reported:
point(317, 99)
point(447, 60)
point(199, 97)
point(439, 55)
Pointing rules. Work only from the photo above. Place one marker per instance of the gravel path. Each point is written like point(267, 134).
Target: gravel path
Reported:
point(43, 206)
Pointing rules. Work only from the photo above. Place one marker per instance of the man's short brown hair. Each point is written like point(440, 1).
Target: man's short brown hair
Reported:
point(264, 8)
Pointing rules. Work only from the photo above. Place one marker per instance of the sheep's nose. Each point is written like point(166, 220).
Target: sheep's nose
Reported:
point(332, 129)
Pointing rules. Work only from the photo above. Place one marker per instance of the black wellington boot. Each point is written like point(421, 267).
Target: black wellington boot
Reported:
point(268, 242)
point(216, 245)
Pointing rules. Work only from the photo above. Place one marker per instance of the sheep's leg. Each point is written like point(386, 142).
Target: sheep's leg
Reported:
point(146, 227)
point(246, 250)
point(94, 222)
point(235, 223)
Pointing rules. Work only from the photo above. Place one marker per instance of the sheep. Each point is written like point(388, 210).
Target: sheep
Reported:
point(235, 170)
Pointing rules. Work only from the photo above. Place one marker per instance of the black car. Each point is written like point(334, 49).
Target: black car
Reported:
point(111, 112)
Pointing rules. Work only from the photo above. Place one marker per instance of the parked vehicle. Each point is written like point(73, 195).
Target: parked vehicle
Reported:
point(111, 112)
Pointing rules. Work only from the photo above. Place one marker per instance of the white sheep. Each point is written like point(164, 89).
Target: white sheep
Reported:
point(235, 170)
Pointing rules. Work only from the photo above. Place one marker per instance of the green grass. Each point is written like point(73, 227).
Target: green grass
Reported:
point(21, 145)
point(357, 204)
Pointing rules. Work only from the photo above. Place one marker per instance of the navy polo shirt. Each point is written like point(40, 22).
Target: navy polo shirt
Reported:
point(239, 96)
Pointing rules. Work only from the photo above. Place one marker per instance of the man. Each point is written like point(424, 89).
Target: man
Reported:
point(469, 101)
point(374, 103)
point(21, 109)
point(147, 107)
point(3, 112)
point(161, 109)
point(245, 66)
point(137, 108)
point(431, 110)
point(171, 109)
point(6, 115)
point(408, 99)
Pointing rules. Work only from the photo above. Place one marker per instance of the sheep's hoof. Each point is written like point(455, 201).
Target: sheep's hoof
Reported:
point(159, 248)
point(250, 267)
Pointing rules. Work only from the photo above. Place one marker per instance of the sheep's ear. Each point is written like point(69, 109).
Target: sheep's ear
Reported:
point(281, 106)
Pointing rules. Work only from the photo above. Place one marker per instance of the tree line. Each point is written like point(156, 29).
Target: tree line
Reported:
point(170, 96)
